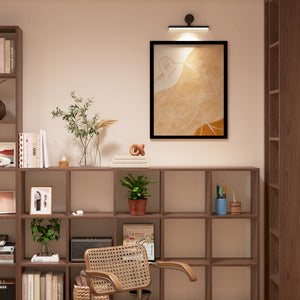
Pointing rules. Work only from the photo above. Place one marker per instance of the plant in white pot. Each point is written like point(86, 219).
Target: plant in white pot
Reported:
point(138, 193)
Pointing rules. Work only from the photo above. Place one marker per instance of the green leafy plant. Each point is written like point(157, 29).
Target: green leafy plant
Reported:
point(45, 233)
point(79, 124)
point(137, 186)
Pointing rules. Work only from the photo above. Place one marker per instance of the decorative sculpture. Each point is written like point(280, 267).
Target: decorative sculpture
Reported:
point(136, 149)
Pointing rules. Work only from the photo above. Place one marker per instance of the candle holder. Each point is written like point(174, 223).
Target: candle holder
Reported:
point(63, 163)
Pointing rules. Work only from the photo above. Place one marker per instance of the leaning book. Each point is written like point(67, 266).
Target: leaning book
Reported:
point(142, 234)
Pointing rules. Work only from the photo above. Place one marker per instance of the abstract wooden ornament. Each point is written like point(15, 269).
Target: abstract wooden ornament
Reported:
point(136, 149)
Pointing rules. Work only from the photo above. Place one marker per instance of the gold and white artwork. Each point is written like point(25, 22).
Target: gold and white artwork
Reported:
point(189, 90)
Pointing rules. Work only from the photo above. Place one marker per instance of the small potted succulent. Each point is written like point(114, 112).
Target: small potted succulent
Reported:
point(138, 193)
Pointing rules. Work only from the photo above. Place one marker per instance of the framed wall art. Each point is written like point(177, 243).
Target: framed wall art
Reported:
point(188, 89)
point(7, 202)
point(7, 154)
point(41, 200)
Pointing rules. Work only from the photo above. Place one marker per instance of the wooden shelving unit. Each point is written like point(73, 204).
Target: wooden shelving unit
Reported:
point(11, 95)
point(165, 209)
point(282, 131)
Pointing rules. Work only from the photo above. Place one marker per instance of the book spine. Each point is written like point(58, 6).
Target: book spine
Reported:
point(34, 150)
point(2, 55)
point(41, 149)
point(7, 256)
point(43, 286)
point(21, 150)
point(29, 150)
point(38, 151)
point(60, 286)
point(25, 150)
point(30, 286)
point(54, 286)
point(37, 285)
point(45, 149)
point(49, 286)
point(25, 286)
point(12, 56)
point(7, 56)
point(7, 261)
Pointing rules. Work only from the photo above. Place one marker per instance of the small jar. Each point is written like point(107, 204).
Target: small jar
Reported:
point(235, 208)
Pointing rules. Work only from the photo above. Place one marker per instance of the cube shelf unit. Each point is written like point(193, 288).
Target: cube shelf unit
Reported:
point(282, 131)
point(182, 211)
point(10, 126)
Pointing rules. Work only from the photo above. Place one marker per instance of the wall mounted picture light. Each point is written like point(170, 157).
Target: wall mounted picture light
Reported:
point(189, 20)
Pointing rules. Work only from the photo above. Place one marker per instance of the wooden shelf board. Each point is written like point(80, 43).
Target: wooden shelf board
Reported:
point(233, 262)
point(8, 265)
point(10, 169)
point(242, 215)
point(7, 75)
point(8, 122)
point(147, 216)
point(274, 232)
point(59, 215)
point(96, 215)
point(186, 215)
point(76, 264)
point(27, 263)
point(274, 139)
point(274, 278)
point(8, 216)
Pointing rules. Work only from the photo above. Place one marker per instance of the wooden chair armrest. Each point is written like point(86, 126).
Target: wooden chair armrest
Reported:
point(107, 276)
point(177, 266)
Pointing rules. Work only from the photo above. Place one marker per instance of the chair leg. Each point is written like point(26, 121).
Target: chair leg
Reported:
point(140, 294)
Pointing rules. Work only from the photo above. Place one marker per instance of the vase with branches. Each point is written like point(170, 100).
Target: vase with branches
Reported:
point(83, 128)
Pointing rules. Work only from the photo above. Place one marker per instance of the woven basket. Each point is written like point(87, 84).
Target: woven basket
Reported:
point(83, 293)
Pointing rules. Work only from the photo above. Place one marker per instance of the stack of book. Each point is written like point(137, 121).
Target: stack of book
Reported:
point(7, 253)
point(39, 258)
point(42, 285)
point(33, 151)
point(129, 162)
point(7, 56)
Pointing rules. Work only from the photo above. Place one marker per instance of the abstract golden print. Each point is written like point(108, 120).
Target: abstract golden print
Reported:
point(189, 90)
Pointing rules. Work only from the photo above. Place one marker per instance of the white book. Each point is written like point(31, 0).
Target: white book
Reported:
point(39, 258)
point(38, 151)
point(30, 150)
point(41, 149)
point(30, 286)
point(128, 157)
point(36, 285)
point(129, 165)
point(21, 150)
point(2, 54)
point(25, 150)
point(45, 149)
point(129, 161)
point(7, 56)
point(12, 56)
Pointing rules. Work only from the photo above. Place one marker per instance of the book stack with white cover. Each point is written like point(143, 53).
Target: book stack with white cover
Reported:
point(7, 253)
point(122, 161)
point(41, 258)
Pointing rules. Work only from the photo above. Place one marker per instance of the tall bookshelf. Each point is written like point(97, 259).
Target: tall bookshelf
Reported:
point(11, 95)
point(282, 131)
point(223, 250)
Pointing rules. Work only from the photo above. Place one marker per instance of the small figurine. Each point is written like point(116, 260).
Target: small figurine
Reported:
point(136, 149)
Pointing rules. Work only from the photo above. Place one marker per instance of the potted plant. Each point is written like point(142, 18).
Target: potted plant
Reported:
point(83, 128)
point(137, 195)
point(45, 233)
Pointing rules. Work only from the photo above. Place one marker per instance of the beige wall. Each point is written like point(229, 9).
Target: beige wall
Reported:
point(101, 49)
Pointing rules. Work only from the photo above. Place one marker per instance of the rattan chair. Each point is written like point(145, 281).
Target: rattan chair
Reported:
point(122, 268)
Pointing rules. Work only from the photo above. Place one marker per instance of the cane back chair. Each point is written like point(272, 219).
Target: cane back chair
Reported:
point(122, 268)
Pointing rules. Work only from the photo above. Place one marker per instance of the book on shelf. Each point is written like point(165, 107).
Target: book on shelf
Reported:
point(2, 54)
point(7, 288)
point(50, 259)
point(33, 152)
point(7, 55)
point(38, 285)
point(123, 161)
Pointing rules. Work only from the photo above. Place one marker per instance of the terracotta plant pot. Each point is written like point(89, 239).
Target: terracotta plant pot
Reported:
point(137, 207)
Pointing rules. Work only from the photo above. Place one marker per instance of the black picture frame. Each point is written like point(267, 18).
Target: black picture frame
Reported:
point(188, 88)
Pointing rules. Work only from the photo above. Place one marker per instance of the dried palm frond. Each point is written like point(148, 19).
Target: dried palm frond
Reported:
point(104, 123)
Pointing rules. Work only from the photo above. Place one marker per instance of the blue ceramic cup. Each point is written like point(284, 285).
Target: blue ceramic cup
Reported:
point(221, 206)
